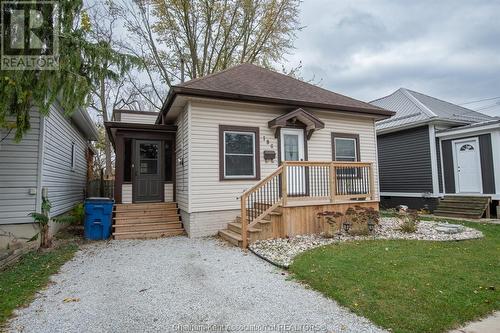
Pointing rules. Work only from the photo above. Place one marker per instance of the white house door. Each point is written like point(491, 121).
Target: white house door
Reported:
point(468, 166)
point(292, 149)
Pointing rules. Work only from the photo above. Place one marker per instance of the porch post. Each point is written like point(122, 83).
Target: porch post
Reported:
point(119, 164)
point(372, 183)
point(332, 182)
point(284, 184)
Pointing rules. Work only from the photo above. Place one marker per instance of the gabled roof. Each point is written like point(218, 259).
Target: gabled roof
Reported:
point(247, 82)
point(414, 107)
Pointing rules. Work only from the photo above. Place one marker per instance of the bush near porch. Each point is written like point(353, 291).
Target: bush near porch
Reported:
point(410, 286)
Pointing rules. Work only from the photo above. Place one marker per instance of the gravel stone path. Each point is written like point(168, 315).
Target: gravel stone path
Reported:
point(282, 251)
point(178, 284)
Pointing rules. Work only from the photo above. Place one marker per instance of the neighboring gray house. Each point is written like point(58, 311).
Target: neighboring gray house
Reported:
point(432, 148)
point(52, 155)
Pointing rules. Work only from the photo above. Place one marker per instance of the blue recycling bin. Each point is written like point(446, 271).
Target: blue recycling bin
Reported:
point(98, 218)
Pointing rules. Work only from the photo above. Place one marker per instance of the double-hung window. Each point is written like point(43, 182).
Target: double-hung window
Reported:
point(239, 152)
point(345, 147)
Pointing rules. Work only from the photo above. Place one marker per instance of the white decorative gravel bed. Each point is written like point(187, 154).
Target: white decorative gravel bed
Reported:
point(282, 251)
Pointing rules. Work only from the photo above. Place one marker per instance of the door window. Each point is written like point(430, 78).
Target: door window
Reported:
point(291, 147)
point(148, 158)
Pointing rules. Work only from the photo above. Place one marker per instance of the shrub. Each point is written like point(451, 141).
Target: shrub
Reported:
point(409, 221)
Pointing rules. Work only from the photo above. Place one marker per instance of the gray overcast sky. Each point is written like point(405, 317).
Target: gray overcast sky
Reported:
point(366, 49)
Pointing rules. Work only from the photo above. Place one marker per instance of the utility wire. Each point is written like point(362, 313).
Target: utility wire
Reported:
point(488, 106)
point(480, 100)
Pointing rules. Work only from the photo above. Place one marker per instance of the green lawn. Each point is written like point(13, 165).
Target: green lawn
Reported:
point(19, 283)
point(409, 286)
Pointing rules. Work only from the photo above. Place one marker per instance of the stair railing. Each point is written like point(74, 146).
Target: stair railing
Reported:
point(303, 182)
point(260, 200)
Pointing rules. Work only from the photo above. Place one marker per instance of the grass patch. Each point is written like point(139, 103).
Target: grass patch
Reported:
point(410, 286)
point(20, 282)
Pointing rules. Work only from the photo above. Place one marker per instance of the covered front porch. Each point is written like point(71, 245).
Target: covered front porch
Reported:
point(145, 162)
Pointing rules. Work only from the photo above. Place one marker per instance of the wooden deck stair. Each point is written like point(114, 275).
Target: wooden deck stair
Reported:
point(149, 220)
point(264, 229)
point(464, 207)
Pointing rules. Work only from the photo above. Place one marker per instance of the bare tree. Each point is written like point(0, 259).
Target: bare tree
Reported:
point(109, 84)
point(208, 35)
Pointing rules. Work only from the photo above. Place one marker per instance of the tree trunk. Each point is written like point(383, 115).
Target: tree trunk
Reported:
point(107, 143)
point(45, 241)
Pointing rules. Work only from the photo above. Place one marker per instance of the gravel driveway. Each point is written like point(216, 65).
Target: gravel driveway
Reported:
point(169, 284)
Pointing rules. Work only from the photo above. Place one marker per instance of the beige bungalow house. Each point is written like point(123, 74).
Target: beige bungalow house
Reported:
point(247, 153)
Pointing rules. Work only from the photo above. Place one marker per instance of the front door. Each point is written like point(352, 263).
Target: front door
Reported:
point(292, 149)
point(467, 166)
point(148, 183)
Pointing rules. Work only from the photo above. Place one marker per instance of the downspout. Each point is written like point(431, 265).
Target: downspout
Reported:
point(41, 153)
point(434, 161)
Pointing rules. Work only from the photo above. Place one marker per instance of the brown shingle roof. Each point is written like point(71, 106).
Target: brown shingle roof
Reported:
point(253, 83)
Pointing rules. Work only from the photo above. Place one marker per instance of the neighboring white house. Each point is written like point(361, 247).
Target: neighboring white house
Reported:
point(53, 155)
point(217, 136)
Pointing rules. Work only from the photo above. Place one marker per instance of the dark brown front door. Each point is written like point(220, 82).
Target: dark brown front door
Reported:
point(148, 183)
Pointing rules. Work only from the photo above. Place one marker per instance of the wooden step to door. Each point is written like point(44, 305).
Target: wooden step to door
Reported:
point(146, 227)
point(470, 207)
point(148, 234)
point(236, 227)
point(231, 236)
point(156, 212)
point(145, 206)
point(146, 219)
point(151, 220)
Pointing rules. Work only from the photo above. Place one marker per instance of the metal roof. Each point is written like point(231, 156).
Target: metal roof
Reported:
point(472, 126)
point(414, 107)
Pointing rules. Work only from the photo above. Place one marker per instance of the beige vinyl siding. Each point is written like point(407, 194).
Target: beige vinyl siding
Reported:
point(138, 118)
point(126, 193)
point(168, 191)
point(65, 184)
point(18, 173)
point(182, 155)
point(320, 144)
point(208, 193)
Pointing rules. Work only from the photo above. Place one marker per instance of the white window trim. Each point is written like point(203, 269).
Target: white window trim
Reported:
point(232, 154)
point(355, 149)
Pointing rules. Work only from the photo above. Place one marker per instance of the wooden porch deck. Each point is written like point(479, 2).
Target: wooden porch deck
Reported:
point(287, 202)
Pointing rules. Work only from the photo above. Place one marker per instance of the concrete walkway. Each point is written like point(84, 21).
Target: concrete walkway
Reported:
point(179, 284)
point(490, 324)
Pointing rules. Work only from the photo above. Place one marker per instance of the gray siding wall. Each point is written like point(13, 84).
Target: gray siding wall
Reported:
point(18, 174)
point(449, 169)
point(405, 161)
point(487, 165)
point(65, 184)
